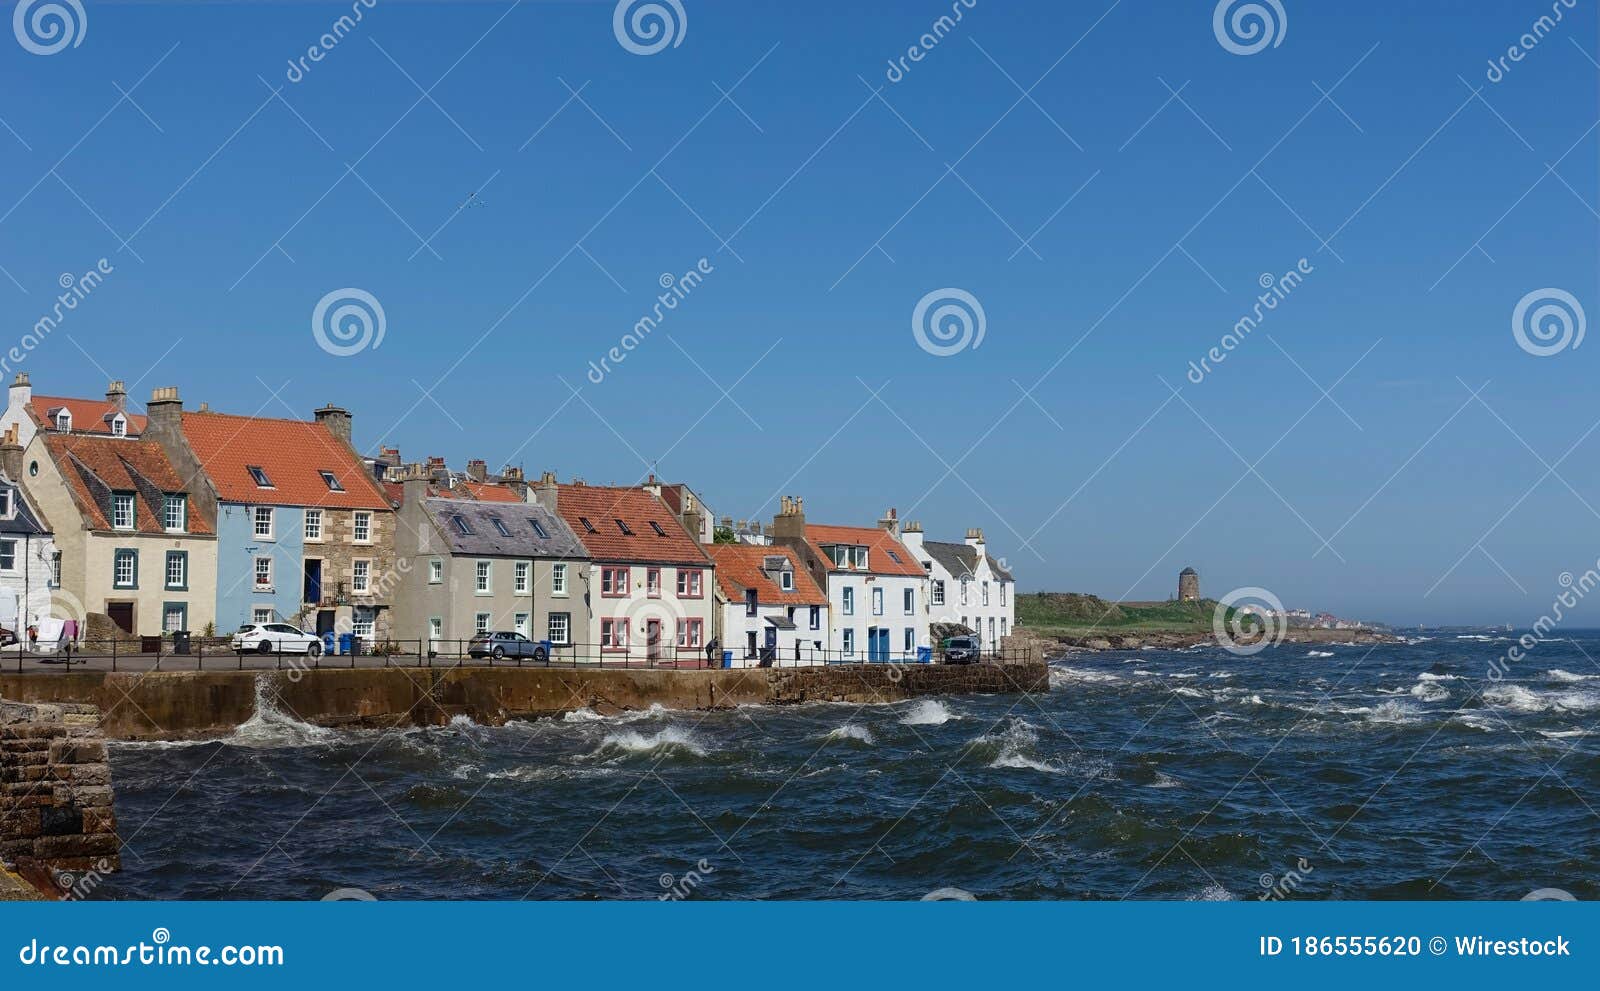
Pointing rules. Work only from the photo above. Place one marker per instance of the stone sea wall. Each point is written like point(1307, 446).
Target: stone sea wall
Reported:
point(56, 815)
point(174, 705)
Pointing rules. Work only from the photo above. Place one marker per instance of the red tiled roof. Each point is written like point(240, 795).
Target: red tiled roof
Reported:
point(119, 465)
point(88, 415)
point(603, 505)
point(488, 491)
point(739, 567)
point(879, 543)
point(291, 452)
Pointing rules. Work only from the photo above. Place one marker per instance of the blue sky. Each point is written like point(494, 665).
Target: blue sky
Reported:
point(825, 214)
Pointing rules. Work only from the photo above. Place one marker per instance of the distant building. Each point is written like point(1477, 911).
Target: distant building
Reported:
point(1188, 585)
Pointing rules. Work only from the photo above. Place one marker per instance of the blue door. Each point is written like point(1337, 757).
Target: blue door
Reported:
point(877, 644)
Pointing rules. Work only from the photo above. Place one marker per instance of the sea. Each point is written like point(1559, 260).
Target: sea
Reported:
point(1428, 769)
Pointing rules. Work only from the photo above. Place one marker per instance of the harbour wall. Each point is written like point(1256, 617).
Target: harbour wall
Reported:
point(56, 819)
point(181, 705)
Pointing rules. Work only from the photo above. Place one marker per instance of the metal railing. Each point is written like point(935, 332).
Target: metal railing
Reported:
point(217, 654)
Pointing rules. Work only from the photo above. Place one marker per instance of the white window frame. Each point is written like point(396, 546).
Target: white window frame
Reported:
point(132, 557)
point(121, 501)
point(256, 570)
point(364, 622)
point(361, 576)
point(7, 504)
point(909, 601)
point(786, 580)
point(566, 628)
point(313, 526)
point(848, 642)
point(260, 515)
point(937, 591)
point(483, 578)
point(181, 501)
point(8, 549)
point(361, 527)
point(261, 614)
point(182, 561)
point(558, 579)
point(522, 578)
point(861, 558)
point(482, 621)
point(435, 571)
point(847, 596)
point(877, 600)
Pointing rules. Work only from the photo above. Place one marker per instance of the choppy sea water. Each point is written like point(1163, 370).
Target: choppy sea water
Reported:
point(1398, 771)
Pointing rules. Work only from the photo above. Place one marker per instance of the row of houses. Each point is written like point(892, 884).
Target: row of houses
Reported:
point(198, 520)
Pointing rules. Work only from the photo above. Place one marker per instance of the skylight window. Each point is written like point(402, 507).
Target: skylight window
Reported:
point(657, 528)
point(461, 525)
point(623, 526)
point(500, 526)
point(894, 557)
point(259, 474)
point(587, 525)
point(334, 485)
point(538, 528)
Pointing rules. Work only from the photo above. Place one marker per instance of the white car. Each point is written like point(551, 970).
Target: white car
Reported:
point(276, 638)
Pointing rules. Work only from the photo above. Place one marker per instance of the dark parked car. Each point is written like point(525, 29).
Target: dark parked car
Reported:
point(502, 644)
point(962, 650)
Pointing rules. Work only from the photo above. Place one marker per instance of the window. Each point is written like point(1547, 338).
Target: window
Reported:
point(5, 503)
point(1002, 624)
point(522, 573)
point(911, 640)
point(623, 527)
point(587, 526)
point(690, 583)
point(313, 524)
point(55, 570)
point(657, 528)
point(849, 602)
point(786, 581)
point(539, 530)
point(435, 571)
point(614, 582)
point(125, 569)
point(361, 577)
point(861, 557)
point(613, 634)
point(263, 572)
point(750, 602)
point(363, 622)
point(841, 555)
point(261, 614)
point(500, 526)
point(521, 624)
point(363, 528)
point(652, 582)
point(690, 632)
point(63, 421)
point(816, 617)
point(937, 588)
point(482, 586)
point(8, 555)
point(877, 602)
point(259, 476)
point(122, 510)
point(849, 643)
point(462, 526)
point(435, 628)
point(332, 481)
point(558, 579)
point(263, 523)
point(894, 557)
point(1002, 594)
point(985, 593)
point(119, 426)
point(480, 622)
point(177, 570)
point(559, 629)
point(910, 601)
point(174, 617)
point(991, 629)
point(964, 584)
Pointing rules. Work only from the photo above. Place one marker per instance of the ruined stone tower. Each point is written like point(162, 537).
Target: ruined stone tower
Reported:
point(1188, 585)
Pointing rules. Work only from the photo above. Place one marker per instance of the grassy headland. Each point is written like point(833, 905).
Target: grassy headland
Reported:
point(1072, 613)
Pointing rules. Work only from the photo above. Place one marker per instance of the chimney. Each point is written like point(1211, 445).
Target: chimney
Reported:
point(652, 486)
point(337, 420)
point(117, 395)
point(975, 540)
point(513, 480)
point(21, 391)
point(911, 536)
point(11, 454)
point(545, 492)
point(890, 522)
point(165, 416)
point(790, 523)
point(477, 470)
point(413, 488)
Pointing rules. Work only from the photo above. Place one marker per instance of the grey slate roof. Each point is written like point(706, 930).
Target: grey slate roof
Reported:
point(962, 559)
point(485, 539)
point(25, 520)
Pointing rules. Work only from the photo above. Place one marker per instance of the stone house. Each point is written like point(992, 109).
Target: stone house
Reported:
point(966, 585)
point(305, 534)
point(472, 566)
point(769, 609)
point(136, 542)
point(876, 589)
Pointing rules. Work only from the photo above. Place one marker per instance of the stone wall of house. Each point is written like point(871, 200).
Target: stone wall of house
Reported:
point(56, 817)
point(339, 552)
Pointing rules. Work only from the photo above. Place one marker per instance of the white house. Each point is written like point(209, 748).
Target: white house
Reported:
point(28, 561)
point(877, 592)
point(966, 585)
point(30, 413)
point(770, 610)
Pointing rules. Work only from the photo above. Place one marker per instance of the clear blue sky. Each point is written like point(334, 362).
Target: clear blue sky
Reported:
point(562, 251)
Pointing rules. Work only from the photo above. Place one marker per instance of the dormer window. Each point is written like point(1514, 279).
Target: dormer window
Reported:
point(64, 421)
point(7, 507)
point(861, 557)
point(122, 510)
point(119, 426)
point(259, 476)
point(332, 481)
point(175, 513)
point(786, 580)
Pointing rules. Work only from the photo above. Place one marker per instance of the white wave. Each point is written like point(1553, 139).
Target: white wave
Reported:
point(1061, 675)
point(270, 727)
point(1182, 675)
point(1164, 781)
point(1023, 762)
point(1213, 892)
point(667, 738)
point(1221, 674)
point(1428, 691)
point(1565, 734)
point(583, 715)
point(928, 712)
point(1479, 721)
point(464, 772)
point(1430, 676)
point(1146, 674)
point(462, 721)
point(1319, 653)
point(1520, 699)
point(852, 731)
point(1014, 745)
point(1556, 674)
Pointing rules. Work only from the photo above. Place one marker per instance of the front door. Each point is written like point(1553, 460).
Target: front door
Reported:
point(324, 621)
point(877, 644)
point(121, 613)
point(313, 583)
point(652, 639)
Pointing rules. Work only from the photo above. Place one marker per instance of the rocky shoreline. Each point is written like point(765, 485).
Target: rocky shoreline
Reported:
point(1055, 645)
